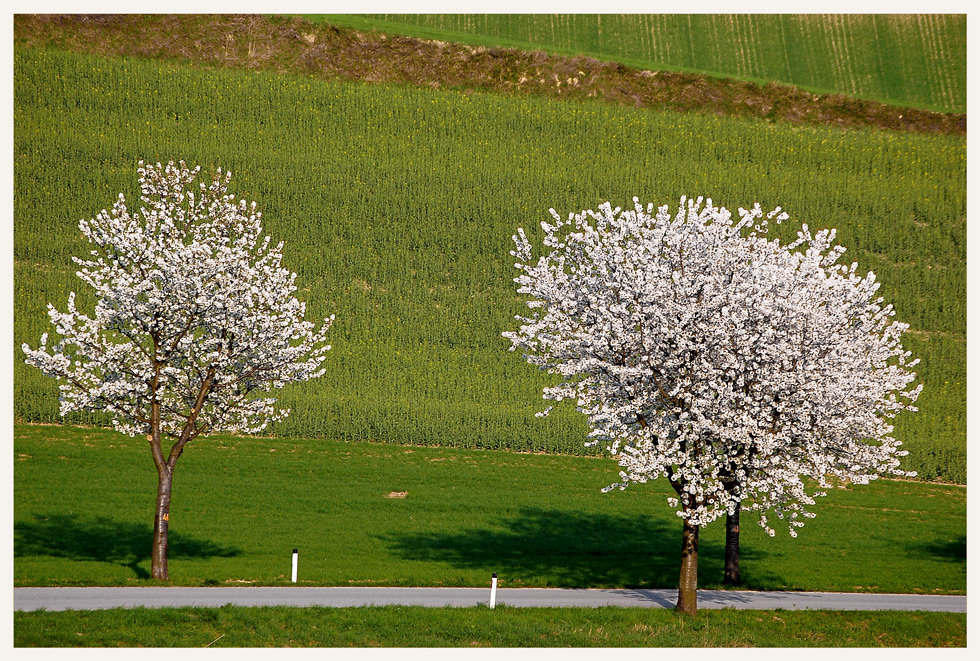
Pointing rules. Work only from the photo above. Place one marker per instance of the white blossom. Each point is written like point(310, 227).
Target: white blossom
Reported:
point(702, 351)
point(196, 319)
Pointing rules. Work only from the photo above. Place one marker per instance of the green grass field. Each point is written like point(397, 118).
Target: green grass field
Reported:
point(397, 206)
point(402, 626)
point(83, 503)
point(916, 60)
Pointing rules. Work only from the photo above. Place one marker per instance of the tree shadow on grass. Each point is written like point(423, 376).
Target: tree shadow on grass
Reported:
point(573, 549)
point(948, 551)
point(104, 540)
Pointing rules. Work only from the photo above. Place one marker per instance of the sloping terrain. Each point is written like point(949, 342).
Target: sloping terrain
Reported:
point(397, 203)
point(903, 59)
point(298, 46)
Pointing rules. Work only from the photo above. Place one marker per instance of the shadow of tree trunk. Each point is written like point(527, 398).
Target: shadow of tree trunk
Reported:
point(102, 539)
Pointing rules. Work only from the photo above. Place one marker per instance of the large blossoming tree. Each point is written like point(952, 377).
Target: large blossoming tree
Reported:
point(747, 373)
point(195, 323)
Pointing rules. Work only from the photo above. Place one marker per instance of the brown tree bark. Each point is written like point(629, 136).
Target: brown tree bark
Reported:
point(165, 468)
point(733, 574)
point(161, 517)
point(687, 593)
point(161, 525)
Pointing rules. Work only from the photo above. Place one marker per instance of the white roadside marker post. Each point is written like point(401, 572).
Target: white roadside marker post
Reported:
point(295, 563)
point(493, 590)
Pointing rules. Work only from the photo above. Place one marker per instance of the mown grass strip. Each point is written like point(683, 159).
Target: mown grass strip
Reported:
point(83, 503)
point(412, 626)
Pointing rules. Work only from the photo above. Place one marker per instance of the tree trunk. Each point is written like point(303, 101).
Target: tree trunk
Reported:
point(161, 525)
point(687, 594)
point(733, 575)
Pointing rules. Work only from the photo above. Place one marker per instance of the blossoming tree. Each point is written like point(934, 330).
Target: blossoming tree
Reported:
point(747, 373)
point(195, 323)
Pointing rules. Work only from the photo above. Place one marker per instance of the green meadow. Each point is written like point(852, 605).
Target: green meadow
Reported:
point(370, 514)
point(916, 60)
point(397, 206)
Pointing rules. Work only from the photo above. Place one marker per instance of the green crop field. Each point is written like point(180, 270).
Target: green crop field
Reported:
point(373, 514)
point(916, 60)
point(397, 206)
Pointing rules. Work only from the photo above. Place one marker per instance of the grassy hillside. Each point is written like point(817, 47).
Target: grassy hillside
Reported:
point(917, 60)
point(397, 205)
point(290, 44)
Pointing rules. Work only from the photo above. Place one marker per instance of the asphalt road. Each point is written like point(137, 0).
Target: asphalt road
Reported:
point(57, 599)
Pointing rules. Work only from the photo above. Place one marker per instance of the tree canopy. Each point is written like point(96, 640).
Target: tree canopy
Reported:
point(702, 350)
point(195, 315)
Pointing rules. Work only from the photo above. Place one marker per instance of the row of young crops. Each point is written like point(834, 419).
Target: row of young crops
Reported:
point(907, 59)
point(397, 206)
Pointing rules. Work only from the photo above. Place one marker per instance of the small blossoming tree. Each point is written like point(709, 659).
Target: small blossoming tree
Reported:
point(195, 323)
point(747, 373)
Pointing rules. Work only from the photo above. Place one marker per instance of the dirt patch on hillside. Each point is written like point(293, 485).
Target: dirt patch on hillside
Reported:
point(288, 44)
